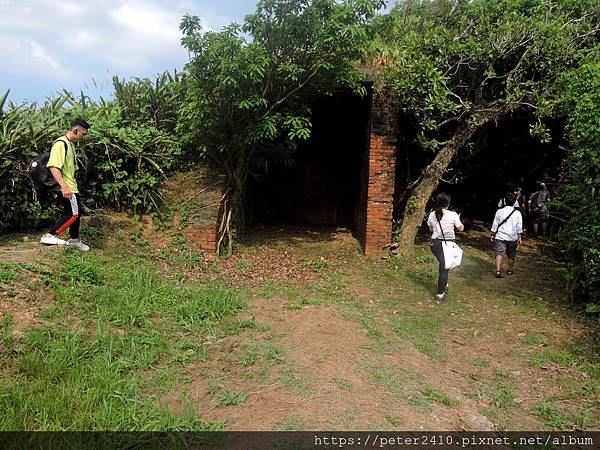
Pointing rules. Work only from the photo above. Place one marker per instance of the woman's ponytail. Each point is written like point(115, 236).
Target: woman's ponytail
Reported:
point(442, 200)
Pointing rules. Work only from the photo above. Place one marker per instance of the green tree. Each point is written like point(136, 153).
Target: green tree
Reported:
point(577, 99)
point(251, 85)
point(458, 66)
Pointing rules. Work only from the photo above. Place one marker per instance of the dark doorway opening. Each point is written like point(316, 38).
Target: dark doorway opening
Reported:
point(325, 184)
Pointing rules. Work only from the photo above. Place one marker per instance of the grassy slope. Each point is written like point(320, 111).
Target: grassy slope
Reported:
point(296, 331)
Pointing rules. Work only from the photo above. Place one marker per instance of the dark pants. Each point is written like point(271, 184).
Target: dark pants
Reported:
point(438, 252)
point(71, 216)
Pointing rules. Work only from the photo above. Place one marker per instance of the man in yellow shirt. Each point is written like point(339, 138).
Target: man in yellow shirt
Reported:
point(63, 165)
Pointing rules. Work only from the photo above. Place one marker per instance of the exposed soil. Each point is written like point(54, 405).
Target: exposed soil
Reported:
point(25, 298)
point(341, 382)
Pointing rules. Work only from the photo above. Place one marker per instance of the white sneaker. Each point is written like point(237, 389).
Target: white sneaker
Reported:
point(77, 244)
point(440, 297)
point(50, 239)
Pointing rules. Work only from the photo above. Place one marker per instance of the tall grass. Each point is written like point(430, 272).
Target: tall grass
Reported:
point(131, 147)
point(97, 362)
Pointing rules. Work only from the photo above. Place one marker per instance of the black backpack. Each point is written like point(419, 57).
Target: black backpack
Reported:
point(40, 174)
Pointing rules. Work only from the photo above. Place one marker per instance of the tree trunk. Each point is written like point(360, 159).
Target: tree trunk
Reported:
point(233, 215)
point(414, 210)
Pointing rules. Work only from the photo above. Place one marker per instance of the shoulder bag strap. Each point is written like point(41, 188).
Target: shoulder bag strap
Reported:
point(505, 220)
point(64, 143)
point(441, 229)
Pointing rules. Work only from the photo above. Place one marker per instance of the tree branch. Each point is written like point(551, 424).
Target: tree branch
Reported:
point(288, 95)
point(514, 70)
point(447, 121)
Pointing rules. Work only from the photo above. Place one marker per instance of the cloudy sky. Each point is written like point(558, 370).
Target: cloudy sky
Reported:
point(47, 45)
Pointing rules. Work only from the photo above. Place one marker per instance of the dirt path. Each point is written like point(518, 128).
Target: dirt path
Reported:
point(361, 345)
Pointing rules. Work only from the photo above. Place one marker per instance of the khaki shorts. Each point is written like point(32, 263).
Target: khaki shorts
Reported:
point(506, 248)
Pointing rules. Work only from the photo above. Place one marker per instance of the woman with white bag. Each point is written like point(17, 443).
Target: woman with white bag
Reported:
point(442, 223)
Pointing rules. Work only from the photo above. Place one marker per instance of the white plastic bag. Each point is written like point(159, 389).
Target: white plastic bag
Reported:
point(452, 254)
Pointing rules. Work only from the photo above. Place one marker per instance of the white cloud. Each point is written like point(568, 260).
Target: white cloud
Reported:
point(146, 33)
point(45, 40)
point(39, 53)
point(30, 57)
point(129, 35)
point(154, 23)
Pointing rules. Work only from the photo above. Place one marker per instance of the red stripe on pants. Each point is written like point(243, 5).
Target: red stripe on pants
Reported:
point(67, 224)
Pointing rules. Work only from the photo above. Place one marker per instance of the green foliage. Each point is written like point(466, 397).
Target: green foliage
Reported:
point(551, 416)
point(125, 164)
point(251, 85)
point(79, 270)
point(64, 379)
point(9, 272)
point(206, 305)
point(130, 148)
point(25, 132)
point(144, 102)
point(449, 62)
point(437, 396)
point(577, 98)
point(453, 63)
point(231, 398)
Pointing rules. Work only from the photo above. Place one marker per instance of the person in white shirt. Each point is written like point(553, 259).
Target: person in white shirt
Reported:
point(442, 223)
point(507, 230)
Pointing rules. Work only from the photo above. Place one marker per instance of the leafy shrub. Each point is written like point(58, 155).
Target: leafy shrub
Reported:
point(125, 165)
point(25, 131)
point(121, 165)
point(579, 206)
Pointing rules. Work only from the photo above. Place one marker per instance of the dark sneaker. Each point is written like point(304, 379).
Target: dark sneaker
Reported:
point(499, 275)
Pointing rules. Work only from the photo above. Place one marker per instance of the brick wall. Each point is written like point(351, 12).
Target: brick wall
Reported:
point(202, 235)
point(202, 238)
point(381, 173)
point(380, 197)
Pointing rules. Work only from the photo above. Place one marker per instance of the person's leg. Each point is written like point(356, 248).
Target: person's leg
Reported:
point(443, 281)
point(438, 252)
point(500, 247)
point(544, 227)
point(66, 219)
point(511, 265)
point(51, 237)
point(535, 228)
point(74, 228)
point(498, 263)
point(73, 224)
point(511, 253)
